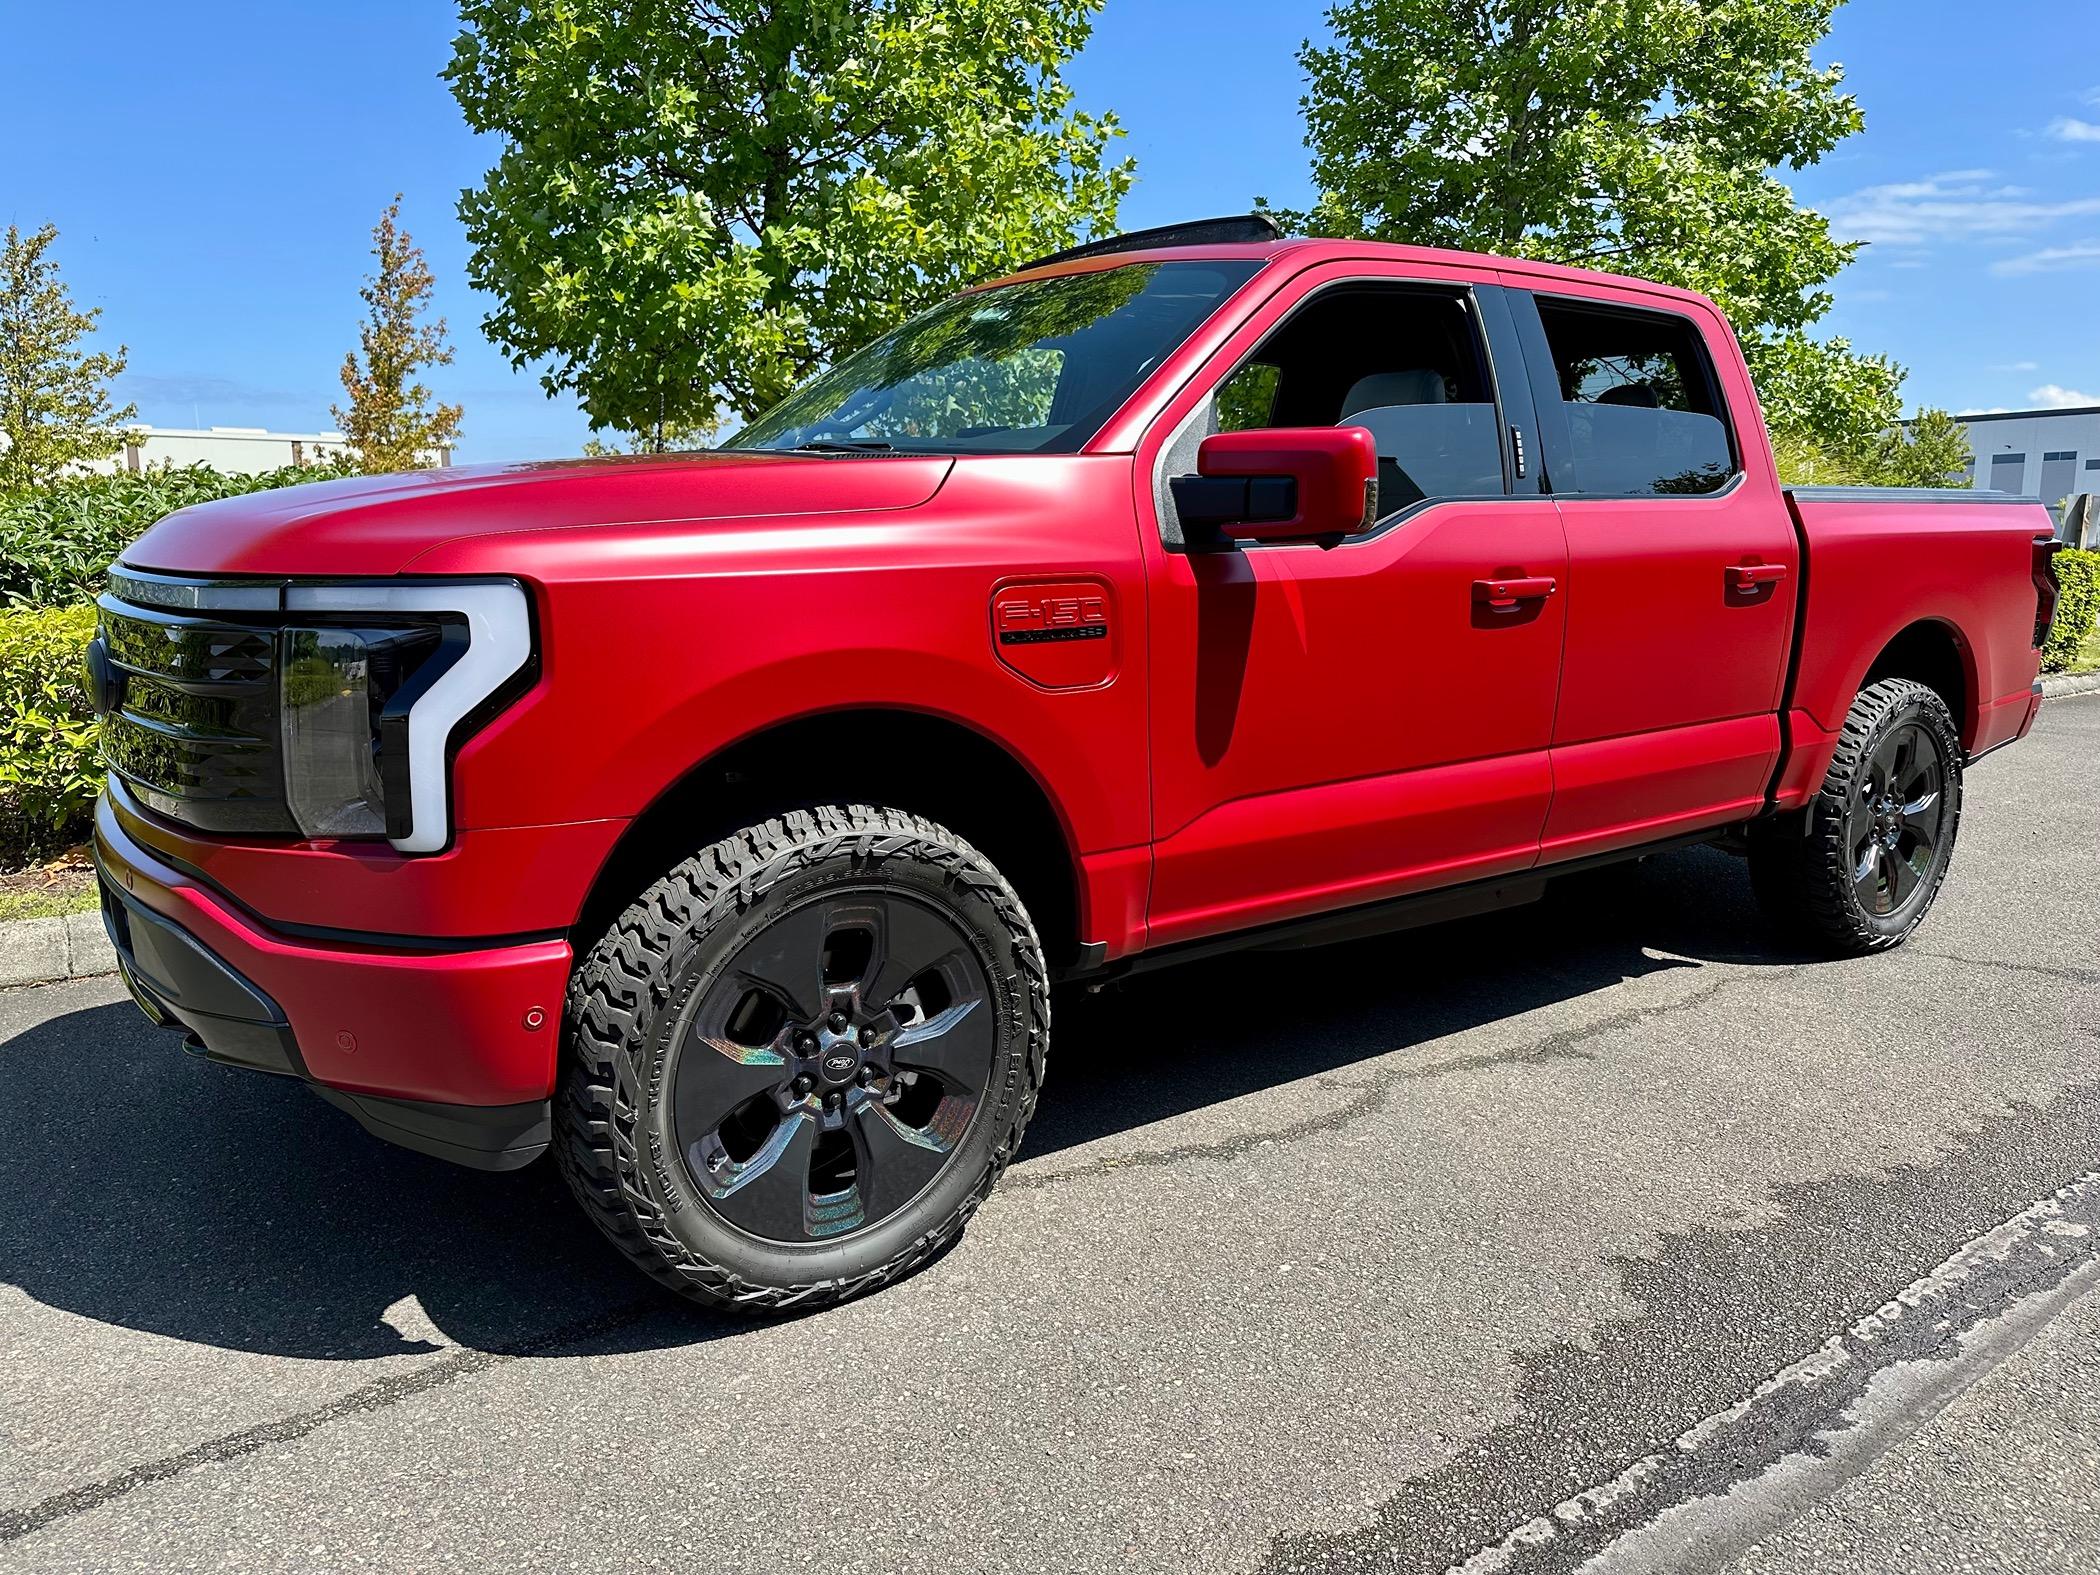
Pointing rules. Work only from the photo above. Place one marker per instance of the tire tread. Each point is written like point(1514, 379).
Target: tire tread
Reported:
point(619, 985)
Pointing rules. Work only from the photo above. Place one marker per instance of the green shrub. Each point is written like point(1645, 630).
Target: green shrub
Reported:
point(2078, 574)
point(57, 541)
point(50, 767)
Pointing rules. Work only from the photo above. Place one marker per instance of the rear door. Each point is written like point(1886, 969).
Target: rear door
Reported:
point(1683, 573)
point(1332, 726)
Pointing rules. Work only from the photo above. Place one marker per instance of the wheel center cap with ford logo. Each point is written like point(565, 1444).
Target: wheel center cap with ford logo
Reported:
point(839, 1058)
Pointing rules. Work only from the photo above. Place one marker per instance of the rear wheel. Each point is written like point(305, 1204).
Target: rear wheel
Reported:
point(801, 1059)
point(1857, 871)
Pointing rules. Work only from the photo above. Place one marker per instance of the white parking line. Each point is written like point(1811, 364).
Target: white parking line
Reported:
point(1831, 1412)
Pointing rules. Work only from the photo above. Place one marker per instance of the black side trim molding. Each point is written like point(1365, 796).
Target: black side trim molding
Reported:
point(1380, 918)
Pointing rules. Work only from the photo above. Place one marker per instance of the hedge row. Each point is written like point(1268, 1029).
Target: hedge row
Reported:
point(2078, 575)
point(56, 543)
point(50, 768)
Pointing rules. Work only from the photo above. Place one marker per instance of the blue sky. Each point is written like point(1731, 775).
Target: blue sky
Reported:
point(215, 171)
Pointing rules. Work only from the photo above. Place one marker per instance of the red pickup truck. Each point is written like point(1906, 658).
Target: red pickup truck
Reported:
point(722, 821)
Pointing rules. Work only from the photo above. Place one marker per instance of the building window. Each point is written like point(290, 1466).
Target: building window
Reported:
point(2059, 475)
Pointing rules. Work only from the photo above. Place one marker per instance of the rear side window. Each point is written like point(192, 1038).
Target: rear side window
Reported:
point(1639, 413)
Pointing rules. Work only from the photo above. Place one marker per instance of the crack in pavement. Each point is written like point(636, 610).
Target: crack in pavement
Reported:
point(374, 1396)
point(2042, 970)
point(1374, 1097)
point(1718, 1311)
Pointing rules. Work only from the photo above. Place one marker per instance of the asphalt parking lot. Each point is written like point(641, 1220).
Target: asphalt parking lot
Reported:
point(1600, 1231)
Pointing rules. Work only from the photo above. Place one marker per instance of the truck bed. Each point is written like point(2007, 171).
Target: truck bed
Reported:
point(1940, 569)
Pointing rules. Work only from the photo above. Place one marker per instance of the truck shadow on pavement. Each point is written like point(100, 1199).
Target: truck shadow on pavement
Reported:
point(144, 1189)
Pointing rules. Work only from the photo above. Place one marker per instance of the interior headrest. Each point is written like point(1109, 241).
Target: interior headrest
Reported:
point(1642, 395)
point(1416, 387)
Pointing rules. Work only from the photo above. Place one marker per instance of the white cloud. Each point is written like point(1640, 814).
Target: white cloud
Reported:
point(2054, 396)
point(1982, 410)
point(2018, 366)
point(2091, 95)
point(2052, 259)
point(1957, 205)
point(2067, 128)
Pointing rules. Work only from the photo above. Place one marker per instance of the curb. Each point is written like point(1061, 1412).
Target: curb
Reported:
point(44, 951)
point(2056, 685)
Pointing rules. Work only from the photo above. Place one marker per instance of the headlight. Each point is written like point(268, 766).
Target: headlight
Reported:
point(374, 684)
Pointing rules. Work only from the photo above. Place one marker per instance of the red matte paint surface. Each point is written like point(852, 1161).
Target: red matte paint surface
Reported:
point(1259, 734)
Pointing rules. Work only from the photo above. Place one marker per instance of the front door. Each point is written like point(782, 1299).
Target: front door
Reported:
point(1336, 726)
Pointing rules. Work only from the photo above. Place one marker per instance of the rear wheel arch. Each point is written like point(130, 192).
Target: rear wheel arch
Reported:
point(929, 764)
point(1933, 653)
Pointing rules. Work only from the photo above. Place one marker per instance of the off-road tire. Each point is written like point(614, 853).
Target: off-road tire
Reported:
point(633, 991)
point(1801, 865)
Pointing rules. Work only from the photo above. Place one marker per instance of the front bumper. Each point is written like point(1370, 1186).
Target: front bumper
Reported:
point(451, 1052)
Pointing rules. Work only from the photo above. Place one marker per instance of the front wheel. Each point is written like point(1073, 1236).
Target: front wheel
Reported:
point(799, 1061)
point(1857, 871)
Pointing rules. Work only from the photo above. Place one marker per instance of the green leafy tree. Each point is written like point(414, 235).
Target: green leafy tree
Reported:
point(1931, 450)
point(1639, 136)
point(700, 203)
point(55, 408)
point(391, 423)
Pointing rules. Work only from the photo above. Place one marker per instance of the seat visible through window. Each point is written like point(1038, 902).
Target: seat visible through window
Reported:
point(1639, 413)
point(1404, 363)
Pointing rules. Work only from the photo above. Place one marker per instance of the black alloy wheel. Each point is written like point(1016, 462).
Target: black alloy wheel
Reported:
point(1895, 826)
point(833, 1067)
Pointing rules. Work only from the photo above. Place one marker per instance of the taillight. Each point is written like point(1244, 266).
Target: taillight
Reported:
point(2045, 592)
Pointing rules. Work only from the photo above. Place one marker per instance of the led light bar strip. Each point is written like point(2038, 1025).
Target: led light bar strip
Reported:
point(499, 642)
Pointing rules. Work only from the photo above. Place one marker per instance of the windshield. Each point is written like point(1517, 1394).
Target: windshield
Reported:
point(1028, 368)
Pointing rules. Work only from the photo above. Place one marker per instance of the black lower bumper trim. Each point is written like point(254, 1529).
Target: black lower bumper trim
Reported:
point(482, 1137)
point(180, 983)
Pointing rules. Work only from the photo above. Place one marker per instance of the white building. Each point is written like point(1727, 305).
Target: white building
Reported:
point(236, 451)
point(2046, 454)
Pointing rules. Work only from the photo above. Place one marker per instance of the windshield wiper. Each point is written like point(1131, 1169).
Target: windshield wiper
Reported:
point(844, 446)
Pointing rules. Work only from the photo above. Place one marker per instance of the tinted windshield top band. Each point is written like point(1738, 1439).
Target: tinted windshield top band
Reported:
point(1037, 366)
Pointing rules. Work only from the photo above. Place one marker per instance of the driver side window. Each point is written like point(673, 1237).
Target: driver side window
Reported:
point(1404, 362)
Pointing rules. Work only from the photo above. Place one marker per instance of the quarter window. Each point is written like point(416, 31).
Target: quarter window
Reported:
point(1638, 413)
point(1248, 397)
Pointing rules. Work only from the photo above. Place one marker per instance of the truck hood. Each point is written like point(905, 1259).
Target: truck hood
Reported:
point(377, 525)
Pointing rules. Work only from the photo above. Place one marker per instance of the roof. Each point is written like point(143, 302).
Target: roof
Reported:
point(1310, 251)
point(2029, 415)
